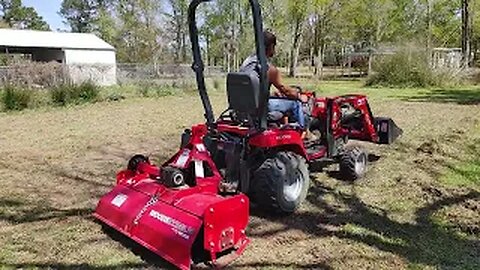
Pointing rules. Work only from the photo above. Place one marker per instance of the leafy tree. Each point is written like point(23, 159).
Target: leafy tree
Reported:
point(446, 29)
point(139, 36)
point(323, 31)
point(178, 23)
point(297, 12)
point(476, 29)
point(20, 17)
point(105, 25)
point(80, 15)
point(91, 16)
point(323, 14)
point(3, 24)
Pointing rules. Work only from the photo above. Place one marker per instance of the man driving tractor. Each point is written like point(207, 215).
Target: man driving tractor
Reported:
point(288, 99)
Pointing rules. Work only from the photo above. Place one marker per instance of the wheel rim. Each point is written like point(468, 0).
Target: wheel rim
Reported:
point(360, 164)
point(292, 188)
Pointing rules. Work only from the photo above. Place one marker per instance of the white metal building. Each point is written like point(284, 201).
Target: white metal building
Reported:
point(447, 58)
point(84, 56)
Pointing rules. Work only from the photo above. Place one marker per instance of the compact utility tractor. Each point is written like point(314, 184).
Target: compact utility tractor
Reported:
point(195, 207)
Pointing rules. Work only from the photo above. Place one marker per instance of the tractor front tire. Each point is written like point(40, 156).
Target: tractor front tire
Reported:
point(281, 183)
point(353, 164)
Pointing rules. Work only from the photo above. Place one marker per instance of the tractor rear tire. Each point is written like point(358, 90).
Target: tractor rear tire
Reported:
point(281, 183)
point(353, 164)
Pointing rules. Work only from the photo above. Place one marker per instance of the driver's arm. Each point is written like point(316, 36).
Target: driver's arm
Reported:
point(275, 78)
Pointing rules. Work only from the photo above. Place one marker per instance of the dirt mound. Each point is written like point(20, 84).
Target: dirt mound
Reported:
point(430, 147)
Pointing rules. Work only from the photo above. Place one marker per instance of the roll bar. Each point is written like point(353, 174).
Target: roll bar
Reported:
point(198, 65)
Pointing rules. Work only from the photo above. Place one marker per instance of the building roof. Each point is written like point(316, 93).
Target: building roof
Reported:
point(57, 40)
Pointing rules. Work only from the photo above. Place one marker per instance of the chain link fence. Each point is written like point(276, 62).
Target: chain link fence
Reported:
point(46, 75)
point(170, 73)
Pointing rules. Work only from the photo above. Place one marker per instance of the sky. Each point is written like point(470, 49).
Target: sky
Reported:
point(48, 9)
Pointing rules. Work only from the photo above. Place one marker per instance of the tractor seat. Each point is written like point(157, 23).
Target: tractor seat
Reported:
point(243, 90)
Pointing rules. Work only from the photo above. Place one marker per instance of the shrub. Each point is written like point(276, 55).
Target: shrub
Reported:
point(404, 69)
point(15, 98)
point(476, 77)
point(60, 94)
point(71, 93)
point(156, 89)
point(144, 91)
point(86, 92)
point(35, 74)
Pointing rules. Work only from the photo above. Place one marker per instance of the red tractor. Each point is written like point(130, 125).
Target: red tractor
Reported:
point(195, 207)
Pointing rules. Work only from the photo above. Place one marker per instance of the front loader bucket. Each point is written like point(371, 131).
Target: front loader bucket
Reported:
point(387, 130)
point(180, 226)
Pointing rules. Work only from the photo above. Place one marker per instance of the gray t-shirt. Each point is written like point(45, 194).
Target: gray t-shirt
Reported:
point(252, 64)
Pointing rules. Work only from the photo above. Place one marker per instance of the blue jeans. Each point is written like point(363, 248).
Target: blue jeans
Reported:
point(286, 105)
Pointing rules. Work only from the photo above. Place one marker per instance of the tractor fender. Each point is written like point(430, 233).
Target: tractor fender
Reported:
point(284, 139)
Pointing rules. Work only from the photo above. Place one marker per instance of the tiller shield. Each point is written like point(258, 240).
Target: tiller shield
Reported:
point(183, 227)
point(176, 211)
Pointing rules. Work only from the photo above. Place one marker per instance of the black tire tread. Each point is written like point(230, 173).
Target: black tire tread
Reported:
point(268, 176)
point(347, 163)
point(135, 160)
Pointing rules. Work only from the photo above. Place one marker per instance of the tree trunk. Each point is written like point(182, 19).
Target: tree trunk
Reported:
point(429, 25)
point(295, 49)
point(370, 61)
point(178, 36)
point(207, 49)
point(184, 48)
point(318, 47)
point(183, 32)
point(466, 33)
point(321, 59)
point(312, 59)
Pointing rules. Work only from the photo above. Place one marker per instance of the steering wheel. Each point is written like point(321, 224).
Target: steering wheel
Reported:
point(299, 88)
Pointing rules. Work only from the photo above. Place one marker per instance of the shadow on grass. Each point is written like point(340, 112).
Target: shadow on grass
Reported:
point(423, 242)
point(22, 211)
point(150, 258)
point(61, 266)
point(460, 96)
point(320, 166)
point(281, 265)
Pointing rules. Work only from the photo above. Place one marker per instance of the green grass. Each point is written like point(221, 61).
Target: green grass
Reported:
point(466, 174)
point(466, 94)
point(66, 95)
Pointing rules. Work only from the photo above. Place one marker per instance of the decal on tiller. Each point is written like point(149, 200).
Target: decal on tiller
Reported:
point(199, 170)
point(201, 148)
point(119, 200)
point(183, 158)
point(178, 227)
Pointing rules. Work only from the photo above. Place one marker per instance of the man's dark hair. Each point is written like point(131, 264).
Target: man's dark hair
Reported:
point(270, 38)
